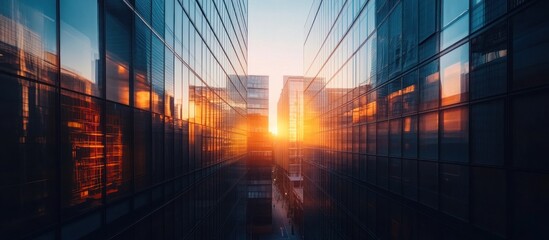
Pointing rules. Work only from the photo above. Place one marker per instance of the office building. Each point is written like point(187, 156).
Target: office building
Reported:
point(260, 158)
point(288, 145)
point(426, 119)
point(123, 119)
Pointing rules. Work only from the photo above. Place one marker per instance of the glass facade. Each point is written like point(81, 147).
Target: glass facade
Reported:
point(123, 119)
point(426, 119)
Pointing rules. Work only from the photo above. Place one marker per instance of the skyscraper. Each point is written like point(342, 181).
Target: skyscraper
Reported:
point(426, 119)
point(123, 119)
point(260, 157)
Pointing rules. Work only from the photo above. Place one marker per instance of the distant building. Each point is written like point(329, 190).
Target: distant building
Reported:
point(288, 144)
point(260, 157)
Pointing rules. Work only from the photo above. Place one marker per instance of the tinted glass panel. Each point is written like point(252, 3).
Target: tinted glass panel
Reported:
point(142, 149)
point(118, 51)
point(119, 165)
point(382, 138)
point(409, 137)
point(454, 79)
point(429, 85)
point(409, 33)
point(28, 146)
point(428, 136)
point(82, 153)
point(28, 39)
point(142, 66)
point(409, 179)
point(485, 11)
point(410, 93)
point(530, 207)
point(428, 184)
point(395, 98)
point(395, 133)
point(454, 135)
point(80, 47)
point(454, 190)
point(489, 199)
point(427, 18)
point(487, 133)
point(157, 75)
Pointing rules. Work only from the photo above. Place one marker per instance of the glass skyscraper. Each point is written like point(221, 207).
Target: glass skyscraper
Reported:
point(426, 119)
point(123, 119)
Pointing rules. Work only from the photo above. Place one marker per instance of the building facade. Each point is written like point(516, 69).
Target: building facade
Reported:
point(260, 158)
point(123, 119)
point(426, 119)
point(288, 145)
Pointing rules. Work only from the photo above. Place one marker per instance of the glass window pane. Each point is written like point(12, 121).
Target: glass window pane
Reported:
point(409, 33)
point(382, 138)
point(454, 135)
point(157, 75)
point(142, 65)
point(371, 139)
point(29, 39)
point(410, 93)
point(169, 83)
point(428, 136)
point(409, 179)
point(487, 133)
point(395, 170)
point(454, 80)
point(529, 115)
point(158, 16)
point(382, 165)
point(28, 146)
point(409, 137)
point(428, 184)
point(382, 103)
point(529, 209)
point(454, 190)
point(141, 149)
point(395, 41)
point(118, 51)
point(157, 150)
point(394, 138)
point(427, 18)
point(485, 11)
point(80, 47)
point(489, 199)
point(453, 9)
point(531, 28)
point(429, 85)
point(454, 32)
point(395, 98)
point(82, 153)
point(119, 165)
point(489, 63)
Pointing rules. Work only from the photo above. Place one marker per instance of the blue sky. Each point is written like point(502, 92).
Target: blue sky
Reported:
point(275, 48)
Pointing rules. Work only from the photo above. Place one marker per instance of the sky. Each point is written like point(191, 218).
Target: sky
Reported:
point(275, 43)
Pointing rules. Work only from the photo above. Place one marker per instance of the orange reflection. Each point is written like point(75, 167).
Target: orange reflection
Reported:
point(451, 84)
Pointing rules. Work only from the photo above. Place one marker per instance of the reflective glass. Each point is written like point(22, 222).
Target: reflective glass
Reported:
point(454, 135)
point(395, 98)
point(429, 86)
point(395, 128)
point(409, 179)
point(453, 9)
point(409, 137)
point(454, 190)
point(118, 51)
point(28, 39)
point(487, 133)
point(409, 33)
point(485, 11)
point(142, 66)
point(454, 77)
point(82, 166)
point(118, 146)
point(142, 149)
point(454, 32)
point(427, 18)
point(157, 75)
point(80, 47)
point(410, 93)
point(428, 136)
point(489, 199)
point(428, 184)
point(382, 138)
point(395, 41)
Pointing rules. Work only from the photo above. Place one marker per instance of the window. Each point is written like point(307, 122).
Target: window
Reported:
point(158, 16)
point(28, 146)
point(382, 138)
point(142, 65)
point(428, 184)
point(169, 83)
point(489, 199)
point(395, 129)
point(409, 93)
point(371, 169)
point(382, 60)
point(485, 11)
point(489, 63)
point(529, 116)
point(371, 139)
point(455, 21)
point(429, 86)
point(157, 75)
point(395, 166)
point(409, 33)
point(157, 150)
point(454, 190)
point(142, 149)
point(428, 136)
point(428, 48)
point(382, 165)
point(395, 98)
point(487, 133)
point(395, 41)
point(427, 18)
point(82, 153)
point(29, 39)
point(119, 165)
point(118, 51)
point(531, 28)
point(530, 208)
point(409, 137)
point(80, 47)
point(454, 135)
point(409, 179)
point(454, 67)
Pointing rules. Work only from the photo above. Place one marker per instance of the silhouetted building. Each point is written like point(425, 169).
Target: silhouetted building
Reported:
point(120, 121)
point(288, 145)
point(426, 119)
point(260, 158)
